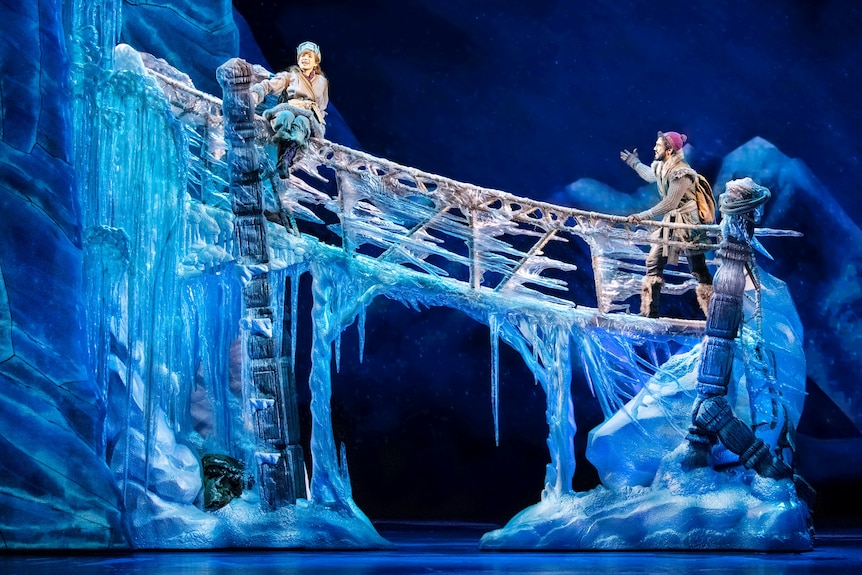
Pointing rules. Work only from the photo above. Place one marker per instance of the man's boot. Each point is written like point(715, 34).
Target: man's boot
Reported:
point(704, 295)
point(650, 295)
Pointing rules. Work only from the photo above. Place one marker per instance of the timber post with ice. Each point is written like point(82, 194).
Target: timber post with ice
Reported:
point(713, 418)
point(270, 392)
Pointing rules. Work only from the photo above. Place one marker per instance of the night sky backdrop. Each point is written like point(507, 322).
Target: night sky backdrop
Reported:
point(528, 97)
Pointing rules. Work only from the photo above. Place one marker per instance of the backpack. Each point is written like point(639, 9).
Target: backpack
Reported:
point(705, 200)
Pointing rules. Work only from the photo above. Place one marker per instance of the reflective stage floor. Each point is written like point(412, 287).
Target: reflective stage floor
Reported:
point(437, 548)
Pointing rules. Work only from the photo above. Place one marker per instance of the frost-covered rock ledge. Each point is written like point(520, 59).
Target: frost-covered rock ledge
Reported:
point(700, 509)
point(243, 524)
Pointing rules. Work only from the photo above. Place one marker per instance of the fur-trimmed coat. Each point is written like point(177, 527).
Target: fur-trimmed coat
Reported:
point(676, 187)
point(292, 84)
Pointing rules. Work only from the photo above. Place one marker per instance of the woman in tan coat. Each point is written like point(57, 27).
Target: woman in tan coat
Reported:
point(303, 94)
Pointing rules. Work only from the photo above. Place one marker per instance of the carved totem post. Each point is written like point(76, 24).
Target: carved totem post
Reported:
point(271, 393)
point(713, 418)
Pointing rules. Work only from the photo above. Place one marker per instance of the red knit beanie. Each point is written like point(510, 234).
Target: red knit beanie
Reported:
point(675, 139)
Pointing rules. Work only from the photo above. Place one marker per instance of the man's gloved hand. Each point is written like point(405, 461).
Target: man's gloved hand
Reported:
point(630, 158)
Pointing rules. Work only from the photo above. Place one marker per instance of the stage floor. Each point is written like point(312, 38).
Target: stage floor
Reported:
point(447, 548)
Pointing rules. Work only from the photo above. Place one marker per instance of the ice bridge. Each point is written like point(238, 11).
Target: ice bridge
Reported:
point(364, 227)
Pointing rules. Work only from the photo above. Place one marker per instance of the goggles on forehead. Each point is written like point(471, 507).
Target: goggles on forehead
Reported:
point(308, 47)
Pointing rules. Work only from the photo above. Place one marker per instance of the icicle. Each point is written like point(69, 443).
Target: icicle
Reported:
point(586, 360)
point(338, 353)
point(130, 374)
point(343, 472)
point(294, 304)
point(360, 327)
point(494, 324)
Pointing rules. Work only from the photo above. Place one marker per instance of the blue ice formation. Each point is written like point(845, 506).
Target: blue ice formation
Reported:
point(648, 499)
point(176, 29)
point(55, 489)
point(117, 384)
point(117, 323)
point(628, 447)
point(164, 298)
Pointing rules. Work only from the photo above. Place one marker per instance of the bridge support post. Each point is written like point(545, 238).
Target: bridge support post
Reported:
point(712, 416)
point(270, 399)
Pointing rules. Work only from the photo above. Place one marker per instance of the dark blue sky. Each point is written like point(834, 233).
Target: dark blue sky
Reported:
point(529, 96)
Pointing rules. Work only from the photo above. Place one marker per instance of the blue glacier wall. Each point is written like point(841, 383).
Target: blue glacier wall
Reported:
point(203, 34)
point(56, 489)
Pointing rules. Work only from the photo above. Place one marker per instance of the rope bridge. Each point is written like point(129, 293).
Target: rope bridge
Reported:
point(485, 239)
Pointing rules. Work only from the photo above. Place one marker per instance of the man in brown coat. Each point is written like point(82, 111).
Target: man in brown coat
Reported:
point(676, 182)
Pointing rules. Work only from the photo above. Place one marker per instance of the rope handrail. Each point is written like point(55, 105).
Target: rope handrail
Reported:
point(569, 212)
point(495, 194)
point(185, 87)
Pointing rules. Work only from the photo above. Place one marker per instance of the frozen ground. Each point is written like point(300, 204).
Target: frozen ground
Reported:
point(451, 548)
